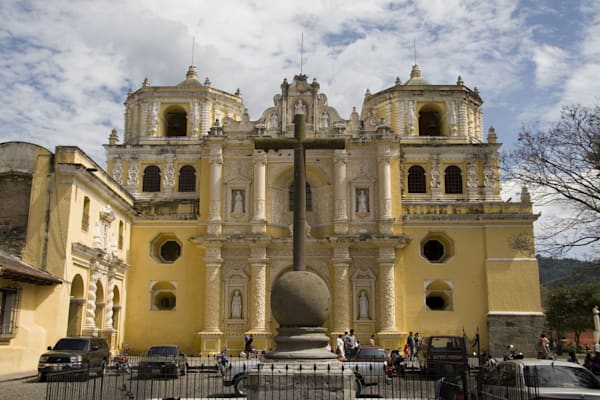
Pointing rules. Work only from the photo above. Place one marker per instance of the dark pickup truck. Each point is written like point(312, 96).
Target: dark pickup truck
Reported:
point(443, 356)
point(164, 361)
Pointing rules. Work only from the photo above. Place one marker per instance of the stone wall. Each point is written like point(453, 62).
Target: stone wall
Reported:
point(15, 190)
point(520, 330)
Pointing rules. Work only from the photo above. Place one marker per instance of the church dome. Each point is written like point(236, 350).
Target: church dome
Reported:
point(416, 78)
point(191, 79)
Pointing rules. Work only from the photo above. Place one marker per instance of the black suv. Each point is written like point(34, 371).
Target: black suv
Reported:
point(82, 354)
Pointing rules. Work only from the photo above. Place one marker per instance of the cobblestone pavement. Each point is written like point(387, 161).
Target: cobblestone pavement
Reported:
point(23, 389)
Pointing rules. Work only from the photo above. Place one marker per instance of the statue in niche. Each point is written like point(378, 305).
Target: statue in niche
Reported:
point(273, 121)
point(324, 120)
point(238, 202)
point(236, 305)
point(362, 201)
point(299, 108)
point(363, 305)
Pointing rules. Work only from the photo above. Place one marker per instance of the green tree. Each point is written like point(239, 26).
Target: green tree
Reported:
point(569, 308)
point(561, 165)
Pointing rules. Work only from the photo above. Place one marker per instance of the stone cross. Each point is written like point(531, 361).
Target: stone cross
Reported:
point(299, 143)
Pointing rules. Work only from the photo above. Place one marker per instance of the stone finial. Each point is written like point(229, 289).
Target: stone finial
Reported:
point(525, 196)
point(191, 73)
point(207, 82)
point(129, 92)
point(367, 93)
point(113, 138)
point(492, 138)
point(237, 92)
point(145, 83)
point(476, 90)
point(398, 81)
point(415, 72)
point(459, 81)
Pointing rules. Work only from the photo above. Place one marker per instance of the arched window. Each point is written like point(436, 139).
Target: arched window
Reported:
point(438, 295)
point(151, 179)
point(416, 180)
point(187, 179)
point(163, 296)
point(308, 197)
point(430, 123)
point(175, 122)
point(453, 180)
point(85, 217)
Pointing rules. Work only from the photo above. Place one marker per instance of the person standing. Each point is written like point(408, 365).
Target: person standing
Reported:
point(417, 345)
point(410, 342)
point(350, 344)
point(248, 339)
point(372, 340)
point(339, 347)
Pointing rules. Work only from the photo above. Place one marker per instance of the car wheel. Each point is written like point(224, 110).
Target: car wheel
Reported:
point(41, 377)
point(184, 370)
point(240, 383)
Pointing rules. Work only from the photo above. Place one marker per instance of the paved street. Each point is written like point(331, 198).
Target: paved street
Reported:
point(22, 389)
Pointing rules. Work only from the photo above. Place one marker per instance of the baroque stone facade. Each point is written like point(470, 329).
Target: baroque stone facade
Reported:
point(405, 225)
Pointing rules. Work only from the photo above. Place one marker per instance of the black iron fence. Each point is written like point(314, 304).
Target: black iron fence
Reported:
point(202, 378)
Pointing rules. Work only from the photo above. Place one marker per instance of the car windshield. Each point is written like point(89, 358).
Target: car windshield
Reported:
point(445, 343)
point(72, 344)
point(371, 354)
point(163, 351)
point(560, 376)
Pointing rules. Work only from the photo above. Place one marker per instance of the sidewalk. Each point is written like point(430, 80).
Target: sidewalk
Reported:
point(18, 375)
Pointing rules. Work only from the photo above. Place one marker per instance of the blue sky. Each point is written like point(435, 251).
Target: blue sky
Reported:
point(66, 65)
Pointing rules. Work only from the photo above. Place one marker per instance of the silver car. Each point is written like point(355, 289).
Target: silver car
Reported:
point(541, 379)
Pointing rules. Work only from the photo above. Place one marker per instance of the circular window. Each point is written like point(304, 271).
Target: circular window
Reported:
point(437, 247)
point(433, 250)
point(170, 251)
point(165, 248)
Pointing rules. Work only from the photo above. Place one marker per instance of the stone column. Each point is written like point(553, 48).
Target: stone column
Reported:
point(462, 119)
point(385, 191)
point(110, 295)
point(387, 287)
point(204, 118)
point(340, 191)
point(435, 182)
point(216, 176)
point(341, 316)
point(212, 316)
point(260, 177)
point(258, 307)
point(89, 326)
point(400, 129)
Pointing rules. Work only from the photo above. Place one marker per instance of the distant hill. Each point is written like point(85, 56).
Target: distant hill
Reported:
point(568, 271)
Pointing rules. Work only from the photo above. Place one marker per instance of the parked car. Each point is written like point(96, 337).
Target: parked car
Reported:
point(164, 361)
point(443, 356)
point(370, 366)
point(542, 379)
point(235, 373)
point(82, 354)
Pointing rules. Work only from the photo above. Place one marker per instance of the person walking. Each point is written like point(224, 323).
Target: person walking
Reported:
point(542, 347)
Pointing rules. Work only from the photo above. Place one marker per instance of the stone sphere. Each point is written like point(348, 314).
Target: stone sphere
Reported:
point(300, 298)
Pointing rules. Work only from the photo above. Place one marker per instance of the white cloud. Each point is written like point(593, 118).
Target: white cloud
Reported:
point(551, 65)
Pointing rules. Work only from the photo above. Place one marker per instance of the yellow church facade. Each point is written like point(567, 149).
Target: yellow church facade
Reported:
point(180, 239)
point(405, 225)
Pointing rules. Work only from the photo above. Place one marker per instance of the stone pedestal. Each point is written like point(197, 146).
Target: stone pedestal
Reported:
point(299, 380)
